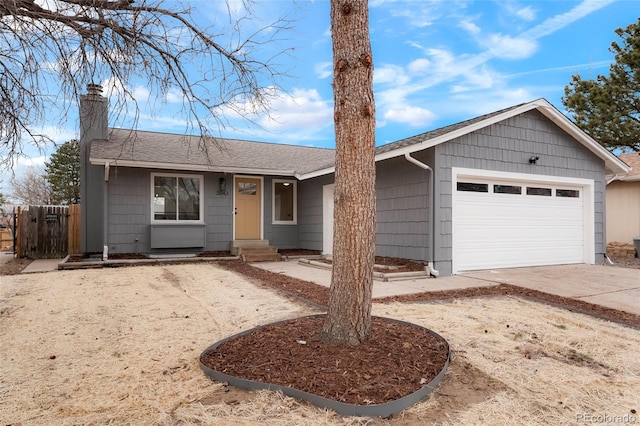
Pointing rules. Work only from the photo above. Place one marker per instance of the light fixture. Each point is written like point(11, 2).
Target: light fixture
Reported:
point(286, 183)
point(534, 159)
point(222, 186)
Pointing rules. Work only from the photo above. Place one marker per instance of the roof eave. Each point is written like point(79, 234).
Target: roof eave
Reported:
point(629, 178)
point(191, 167)
point(612, 163)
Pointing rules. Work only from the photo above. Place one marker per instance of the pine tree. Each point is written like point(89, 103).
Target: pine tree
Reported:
point(608, 108)
point(63, 173)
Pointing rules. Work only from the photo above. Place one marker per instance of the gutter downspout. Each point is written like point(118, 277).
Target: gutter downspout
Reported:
point(105, 219)
point(432, 246)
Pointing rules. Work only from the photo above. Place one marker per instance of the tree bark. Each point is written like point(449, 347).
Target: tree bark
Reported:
point(349, 316)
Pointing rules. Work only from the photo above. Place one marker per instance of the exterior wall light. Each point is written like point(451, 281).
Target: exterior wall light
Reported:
point(222, 187)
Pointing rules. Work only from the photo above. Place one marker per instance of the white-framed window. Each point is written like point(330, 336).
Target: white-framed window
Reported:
point(285, 202)
point(176, 198)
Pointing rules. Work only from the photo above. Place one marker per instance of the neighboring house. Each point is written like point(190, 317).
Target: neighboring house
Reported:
point(518, 187)
point(623, 202)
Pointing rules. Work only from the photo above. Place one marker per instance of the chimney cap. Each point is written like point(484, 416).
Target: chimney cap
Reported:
point(94, 89)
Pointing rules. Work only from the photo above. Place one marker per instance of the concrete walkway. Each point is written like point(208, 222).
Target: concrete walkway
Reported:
point(42, 265)
point(396, 287)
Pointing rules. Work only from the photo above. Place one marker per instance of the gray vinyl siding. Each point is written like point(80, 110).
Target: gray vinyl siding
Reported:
point(507, 146)
point(218, 211)
point(280, 236)
point(310, 212)
point(129, 212)
point(402, 209)
point(402, 213)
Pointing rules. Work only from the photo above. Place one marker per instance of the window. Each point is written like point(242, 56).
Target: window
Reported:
point(284, 202)
point(247, 188)
point(473, 187)
point(568, 193)
point(546, 192)
point(176, 198)
point(507, 189)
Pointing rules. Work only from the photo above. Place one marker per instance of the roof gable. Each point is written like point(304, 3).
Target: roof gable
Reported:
point(448, 133)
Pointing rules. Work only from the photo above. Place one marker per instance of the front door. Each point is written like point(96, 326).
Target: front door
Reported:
point(248, 205)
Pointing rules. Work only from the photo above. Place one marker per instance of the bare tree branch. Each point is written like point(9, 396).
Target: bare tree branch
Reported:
point(50, 51)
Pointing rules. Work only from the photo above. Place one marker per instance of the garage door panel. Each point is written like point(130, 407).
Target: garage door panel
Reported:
point(493, 230)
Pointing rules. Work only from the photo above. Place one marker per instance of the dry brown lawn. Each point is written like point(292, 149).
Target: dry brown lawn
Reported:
point(121, 347)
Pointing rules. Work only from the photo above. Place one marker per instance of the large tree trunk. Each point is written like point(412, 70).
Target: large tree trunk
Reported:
point(349, 316)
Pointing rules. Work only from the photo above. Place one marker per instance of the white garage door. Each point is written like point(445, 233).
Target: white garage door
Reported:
point(501, 223)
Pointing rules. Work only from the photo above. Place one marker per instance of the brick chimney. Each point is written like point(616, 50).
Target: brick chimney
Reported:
point(93, 126)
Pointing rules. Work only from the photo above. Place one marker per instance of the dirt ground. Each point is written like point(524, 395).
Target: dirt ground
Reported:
point(121, 346)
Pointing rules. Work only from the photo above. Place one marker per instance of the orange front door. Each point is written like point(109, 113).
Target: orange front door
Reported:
point(248, 200)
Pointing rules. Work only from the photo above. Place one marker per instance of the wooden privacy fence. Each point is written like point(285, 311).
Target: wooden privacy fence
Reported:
point(48, 232)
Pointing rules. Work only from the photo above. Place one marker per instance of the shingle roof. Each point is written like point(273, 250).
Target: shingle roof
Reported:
point(438, 132)
point(633, 161)
point(163, 149)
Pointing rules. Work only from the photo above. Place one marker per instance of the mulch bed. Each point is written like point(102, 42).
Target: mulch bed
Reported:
point(299, 252)
point(217, 253)
point(390, 265)
point(395, 361)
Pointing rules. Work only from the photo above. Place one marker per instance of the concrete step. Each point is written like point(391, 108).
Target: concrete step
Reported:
point(259, 253)
point(237, 245)
point(251, 257)
point(257, 250)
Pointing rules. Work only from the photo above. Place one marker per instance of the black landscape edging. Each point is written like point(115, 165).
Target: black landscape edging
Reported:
point(374, 410)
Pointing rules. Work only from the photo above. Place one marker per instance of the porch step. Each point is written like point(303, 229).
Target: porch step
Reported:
point(237, 245)
point(260, 254)
point(255, 251)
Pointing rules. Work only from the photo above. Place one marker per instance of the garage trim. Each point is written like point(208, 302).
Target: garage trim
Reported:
point(587, 193)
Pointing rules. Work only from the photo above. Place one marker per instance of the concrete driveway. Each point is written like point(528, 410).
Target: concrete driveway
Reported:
point(613, 287)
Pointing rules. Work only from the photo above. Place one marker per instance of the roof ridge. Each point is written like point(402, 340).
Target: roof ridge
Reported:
point(221, 138)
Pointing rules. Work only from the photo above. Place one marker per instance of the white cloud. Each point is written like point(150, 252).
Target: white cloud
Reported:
point(36, 162)
point(413, 116)
point(174, 96)
point(507, 47)
point(324, 69)
point(480, 79)
point(558, 22)
point(60, 135)
point(304, 109)
point(388, 73)
point(469, 27)
point(114, 87)
point(526, 13)
point(419, 66)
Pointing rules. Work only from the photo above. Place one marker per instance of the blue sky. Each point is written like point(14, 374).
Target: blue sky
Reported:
point(436, 63)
